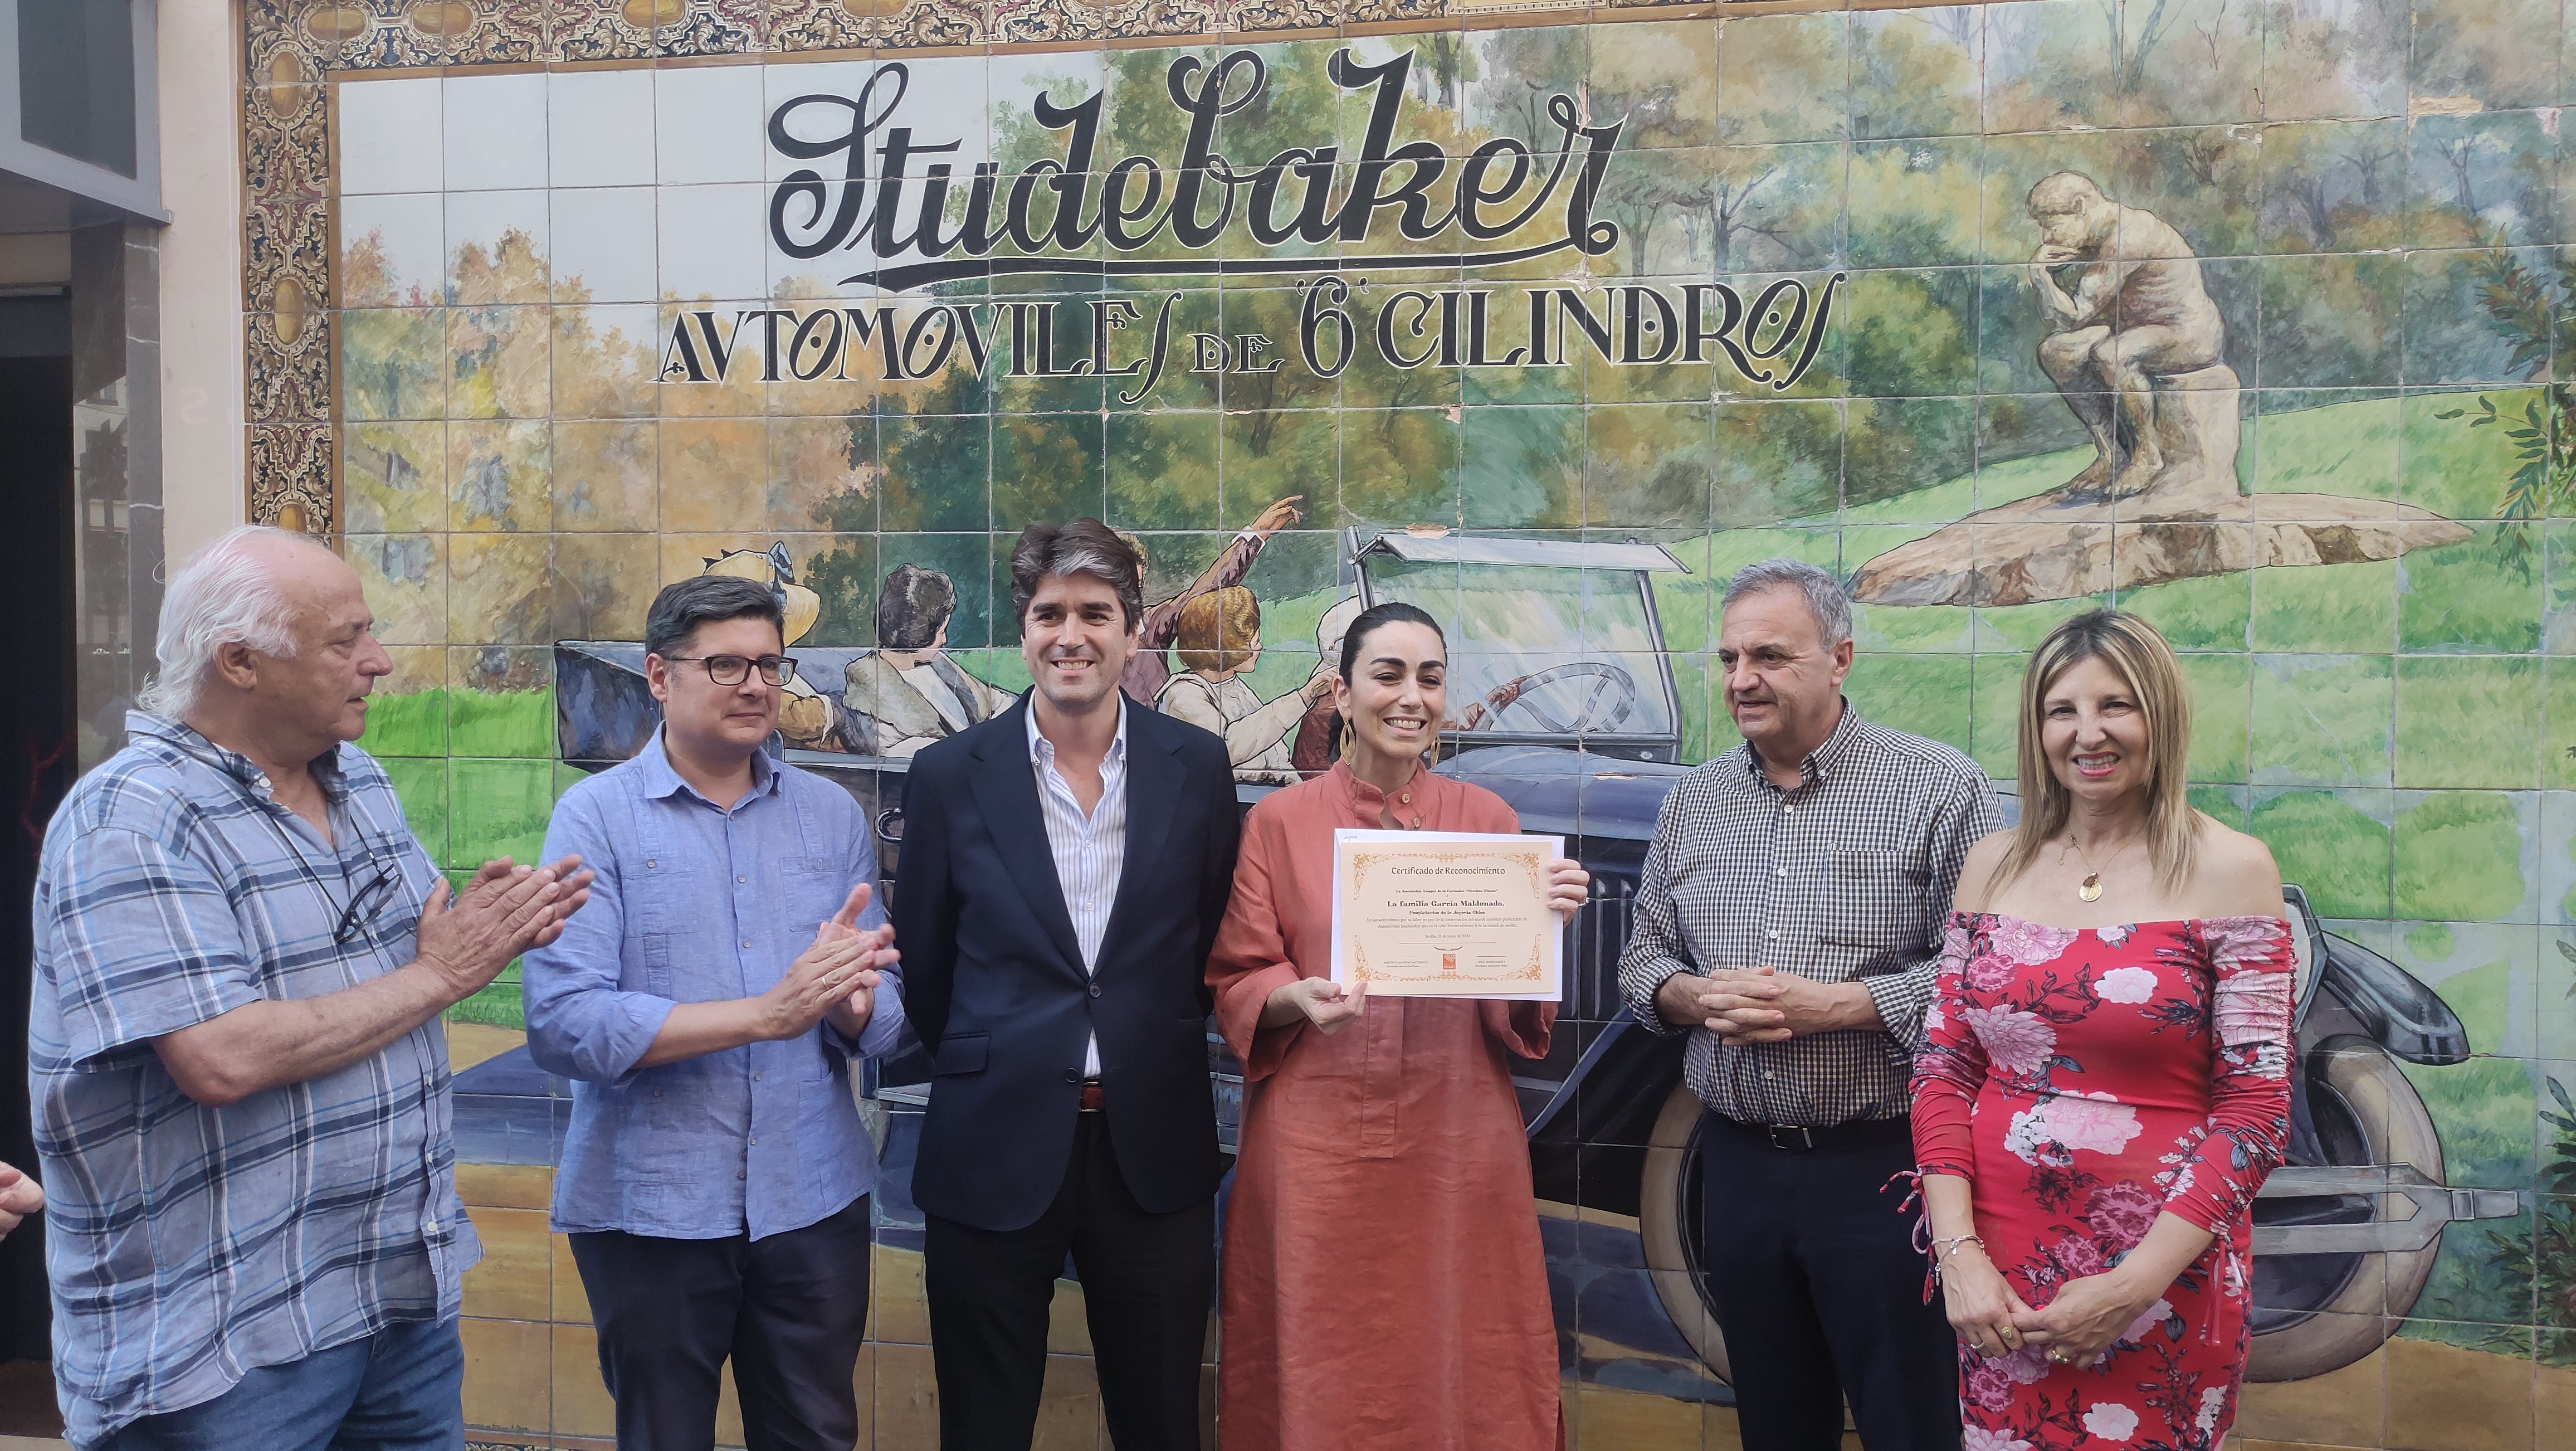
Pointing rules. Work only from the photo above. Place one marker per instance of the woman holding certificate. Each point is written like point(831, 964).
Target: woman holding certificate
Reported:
point(1383, 1285)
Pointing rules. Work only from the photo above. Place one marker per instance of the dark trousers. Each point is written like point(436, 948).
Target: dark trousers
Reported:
point(789, 1310)
point(1146, 1280)
point(1819, 1293)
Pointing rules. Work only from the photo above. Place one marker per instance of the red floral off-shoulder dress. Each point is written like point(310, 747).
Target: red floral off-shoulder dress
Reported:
point(2084, 1080)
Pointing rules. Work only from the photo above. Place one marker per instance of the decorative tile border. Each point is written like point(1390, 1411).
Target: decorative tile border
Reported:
point(291, 47)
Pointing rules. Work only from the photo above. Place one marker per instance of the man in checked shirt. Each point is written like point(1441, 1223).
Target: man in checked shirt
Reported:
point(1790, 918)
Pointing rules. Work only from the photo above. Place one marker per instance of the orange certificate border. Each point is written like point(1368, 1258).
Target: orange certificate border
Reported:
point(1540, 977)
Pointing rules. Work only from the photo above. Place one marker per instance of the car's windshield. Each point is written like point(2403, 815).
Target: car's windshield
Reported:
point(1576, 643)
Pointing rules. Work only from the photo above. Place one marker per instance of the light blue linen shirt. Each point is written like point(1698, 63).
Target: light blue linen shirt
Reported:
point(698, 903)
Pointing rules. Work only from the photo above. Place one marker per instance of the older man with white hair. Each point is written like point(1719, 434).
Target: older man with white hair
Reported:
point(241, 1089)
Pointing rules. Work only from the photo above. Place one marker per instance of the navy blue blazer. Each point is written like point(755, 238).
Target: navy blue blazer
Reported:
point(993, 979)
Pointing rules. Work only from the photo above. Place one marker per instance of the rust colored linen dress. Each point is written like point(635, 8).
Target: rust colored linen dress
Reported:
point(1383, 1285)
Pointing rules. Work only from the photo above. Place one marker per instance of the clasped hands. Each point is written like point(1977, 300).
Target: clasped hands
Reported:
point(2090, 1314)
point(1763, 1005)
point(1332, 1007)
point(835, 979)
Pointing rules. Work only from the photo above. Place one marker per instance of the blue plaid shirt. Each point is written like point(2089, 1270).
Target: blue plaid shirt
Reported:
point(693, 903)
point(187, 1244)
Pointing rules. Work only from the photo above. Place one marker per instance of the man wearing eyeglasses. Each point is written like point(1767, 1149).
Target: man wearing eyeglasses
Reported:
point(707, 1006)
point(240, 1081)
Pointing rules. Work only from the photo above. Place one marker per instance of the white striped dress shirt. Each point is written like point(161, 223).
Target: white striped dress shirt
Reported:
point(1089, 851)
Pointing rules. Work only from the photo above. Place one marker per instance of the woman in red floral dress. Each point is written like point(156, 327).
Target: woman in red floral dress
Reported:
point(2106, 1078)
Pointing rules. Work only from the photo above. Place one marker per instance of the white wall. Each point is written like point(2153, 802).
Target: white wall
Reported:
point(201, 318)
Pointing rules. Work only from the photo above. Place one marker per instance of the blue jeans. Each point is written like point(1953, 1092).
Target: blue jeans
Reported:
point(401, 1389)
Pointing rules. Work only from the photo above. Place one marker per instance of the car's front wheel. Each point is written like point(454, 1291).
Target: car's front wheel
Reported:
point(1668, 1222)
point(2319, 1312)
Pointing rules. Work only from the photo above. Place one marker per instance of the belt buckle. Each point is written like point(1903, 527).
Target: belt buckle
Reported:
point(1779, 1136)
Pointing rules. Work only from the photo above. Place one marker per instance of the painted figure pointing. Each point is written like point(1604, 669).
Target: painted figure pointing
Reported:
point(2138, 320)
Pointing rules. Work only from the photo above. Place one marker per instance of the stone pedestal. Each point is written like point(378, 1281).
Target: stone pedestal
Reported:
point(2055, 547)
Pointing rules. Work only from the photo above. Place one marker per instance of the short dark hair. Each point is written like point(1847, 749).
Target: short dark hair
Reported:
point(681, 608)
point(912, 606)
point(1080, 546)
point(1393, 612)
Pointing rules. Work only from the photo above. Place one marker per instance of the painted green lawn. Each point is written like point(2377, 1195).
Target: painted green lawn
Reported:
point(477, 779)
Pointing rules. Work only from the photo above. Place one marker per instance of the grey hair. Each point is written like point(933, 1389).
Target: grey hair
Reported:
point(224, 594)
point(1824, 594)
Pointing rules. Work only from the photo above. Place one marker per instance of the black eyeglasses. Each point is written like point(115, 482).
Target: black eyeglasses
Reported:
point(733, 669)
point(387, 874)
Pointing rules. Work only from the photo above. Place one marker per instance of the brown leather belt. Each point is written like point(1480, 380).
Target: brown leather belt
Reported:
point(1091, 1099)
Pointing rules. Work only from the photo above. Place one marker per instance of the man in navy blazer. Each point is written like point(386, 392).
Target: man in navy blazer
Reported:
point(1065, 865)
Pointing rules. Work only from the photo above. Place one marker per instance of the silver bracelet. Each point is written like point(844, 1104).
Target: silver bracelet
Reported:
point(1942, 1249)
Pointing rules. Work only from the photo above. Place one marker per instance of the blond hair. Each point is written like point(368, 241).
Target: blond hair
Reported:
point(1219, 630)
point(2146, 665)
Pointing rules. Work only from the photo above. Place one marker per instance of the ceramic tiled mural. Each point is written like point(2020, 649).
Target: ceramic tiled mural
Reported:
point(1544, 317)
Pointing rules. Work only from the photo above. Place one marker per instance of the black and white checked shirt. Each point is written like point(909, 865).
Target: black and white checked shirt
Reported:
point(1847, 878)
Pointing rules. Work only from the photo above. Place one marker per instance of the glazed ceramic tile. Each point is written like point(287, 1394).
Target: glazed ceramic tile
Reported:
point(498, 246)
point(2192, 62)
point(707, 124)
point(508, 1374)
point(1917, 72)
point(600, 128)
point(390, 136)
point(490, 123)
point(392, 250)
point(2501, 54)
point(709, 240)
point(2333, 186)
point(2336, 58)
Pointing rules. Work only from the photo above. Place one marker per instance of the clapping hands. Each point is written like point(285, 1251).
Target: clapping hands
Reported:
point(851, 1014)
point(467, 937)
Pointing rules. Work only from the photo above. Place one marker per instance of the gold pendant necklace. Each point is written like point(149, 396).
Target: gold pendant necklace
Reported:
point(2091, 888)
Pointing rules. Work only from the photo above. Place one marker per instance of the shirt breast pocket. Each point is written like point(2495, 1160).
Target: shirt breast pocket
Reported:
point(1884, 897)
point(1894, 875)
point(1866, 864)
point(810, 889)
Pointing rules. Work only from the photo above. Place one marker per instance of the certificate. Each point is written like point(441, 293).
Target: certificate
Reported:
point(1446, 914)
